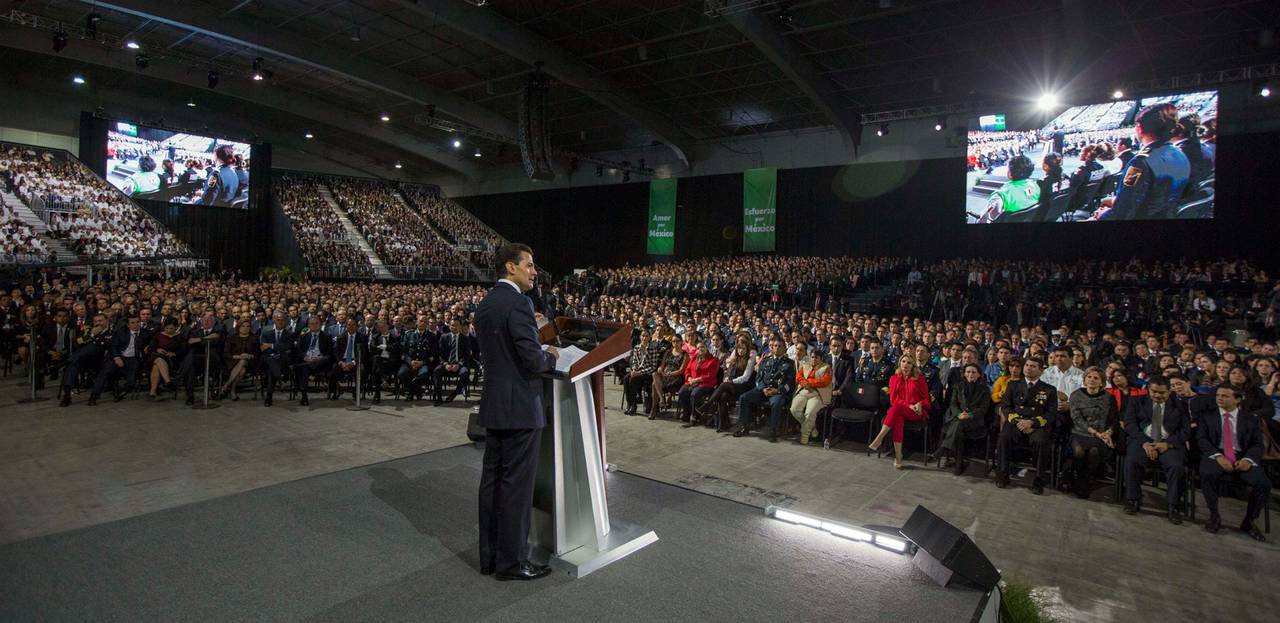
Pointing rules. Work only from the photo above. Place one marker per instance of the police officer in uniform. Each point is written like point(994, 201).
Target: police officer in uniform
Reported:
point(90, 348)
point(223, 183)
point(1152, 184)
point(1018, 194)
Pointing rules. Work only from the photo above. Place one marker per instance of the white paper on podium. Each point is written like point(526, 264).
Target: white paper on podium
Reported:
point(568, 356)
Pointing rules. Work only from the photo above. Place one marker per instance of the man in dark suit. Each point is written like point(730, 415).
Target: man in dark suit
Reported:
point(276, 344)
point(313, 350)
point(1158, 430)
point(843, 373)
point(124, 356)
point(1231, 444)
point(512, 413)
point(1029, 407)
point(348, 349)
point(455, 359)
point(206, 337)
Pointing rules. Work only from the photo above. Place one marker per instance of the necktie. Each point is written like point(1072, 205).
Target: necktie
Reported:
point(351, 342)
point(1157, 422)
point(455, 348)
point(1228, 436)
point(128, 352)
point(276, 341)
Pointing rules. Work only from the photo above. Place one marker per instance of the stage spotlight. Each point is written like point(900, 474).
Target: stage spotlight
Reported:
point(258, 74)
point(1265, 91)
point(477, 154)
point(132, 45)
point(77, 79)
point(398, 165)
point(385, 117)
point(191, 103)
point(141, 61)
point(1047, 101)
point(1118, 94)
point(457, 143)
point(213, 78)
point(883, 130)
point(940, 124)
point(308, 136)
point(59, 41)
point(91, 24)
point(890, 543)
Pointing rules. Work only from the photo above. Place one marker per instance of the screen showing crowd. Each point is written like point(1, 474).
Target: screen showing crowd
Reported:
point(1143, 159)
point(176, 167)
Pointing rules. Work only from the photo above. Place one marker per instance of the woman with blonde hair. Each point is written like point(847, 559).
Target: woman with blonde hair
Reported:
point(908, 400)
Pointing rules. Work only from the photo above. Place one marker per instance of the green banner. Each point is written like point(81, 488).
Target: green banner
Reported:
point(662, 216)
point(759, 209)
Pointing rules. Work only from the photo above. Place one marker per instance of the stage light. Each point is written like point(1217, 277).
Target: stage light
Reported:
point(213, 78)
point(385, 117)
point(132, 45)
point(77, 79)
point(477, 154)
point(1265, 91)
point(1118, 94)
point(853, 534)
point(59, 41)
point(941, 123)
point(191, 103)
point(883, 130)
point(308, 135)
point(890, 543)
point(398, 165)
point(797, 518)
point(91, 24)
point(1047, 101)
point(457, 143)
point(258, 74)
point(141, 61)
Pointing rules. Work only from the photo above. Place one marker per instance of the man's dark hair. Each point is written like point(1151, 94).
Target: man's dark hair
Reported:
point(1234, 390)
point(225, 154)
point(147, 164)
point(509, 252)
point(1159, 120)
point(1158, 380)
point(1020, 168)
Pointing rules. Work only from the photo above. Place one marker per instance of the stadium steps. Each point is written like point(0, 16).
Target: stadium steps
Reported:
point(380, 270)
point(23, 212)
point(475, 270)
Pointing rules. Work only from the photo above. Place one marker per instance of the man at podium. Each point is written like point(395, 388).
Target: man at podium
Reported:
point(511, 411)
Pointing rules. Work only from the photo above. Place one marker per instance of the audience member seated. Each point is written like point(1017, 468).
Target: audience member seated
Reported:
point(966, 414)
point(669, 375)
point(321, 238)
point(1093, 412)
point(1230, 442)
point(18, 242)
point(813, 390)
point(1027, 408)
point(775, 382)
point(908, 401)
point(401, 238)
point(458, 351)
point(1158, 430)
point(457, 224)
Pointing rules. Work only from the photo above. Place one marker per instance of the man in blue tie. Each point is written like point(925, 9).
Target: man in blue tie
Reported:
point(314, 353)
point(276, 344)
point(455, 360)
point(348, 350)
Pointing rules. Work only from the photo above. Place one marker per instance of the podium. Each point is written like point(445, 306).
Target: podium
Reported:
point(571, 523)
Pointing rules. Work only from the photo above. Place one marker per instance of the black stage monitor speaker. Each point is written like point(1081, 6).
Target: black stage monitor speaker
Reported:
point(946, 554)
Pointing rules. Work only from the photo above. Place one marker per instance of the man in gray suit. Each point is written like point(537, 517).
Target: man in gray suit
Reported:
point(512, 414)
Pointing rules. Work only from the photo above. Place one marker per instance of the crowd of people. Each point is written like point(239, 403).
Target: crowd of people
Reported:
point(19, 242)
point(993, 149)
point(457, 224)
point(1093, 360)
point(400, 237)
point(92, 216)
point(322, 240)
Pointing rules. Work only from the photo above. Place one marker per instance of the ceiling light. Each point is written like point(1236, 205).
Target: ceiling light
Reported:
point(1118, 94)
point(457, 143)
point(883, 130)
point(1265, 92)
point(78, 79)
point(940, 124)
point(191, 102)
point(132, 45)
point(213, 78)
point(258, 74)
point(477, 154)
point(398, 165)
point(385, 117)
point(59, 41)
point(1047, 101)
point(308, 135)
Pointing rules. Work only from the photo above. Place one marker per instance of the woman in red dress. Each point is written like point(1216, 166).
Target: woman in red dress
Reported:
point(908, 400)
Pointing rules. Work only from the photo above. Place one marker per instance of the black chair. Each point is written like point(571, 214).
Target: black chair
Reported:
point(1057, 206)
point(1199, 205)
point(920, 426)
point(1029, 215)
point(867, 400)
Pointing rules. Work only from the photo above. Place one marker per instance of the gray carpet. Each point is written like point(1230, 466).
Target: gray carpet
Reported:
point(396, 541)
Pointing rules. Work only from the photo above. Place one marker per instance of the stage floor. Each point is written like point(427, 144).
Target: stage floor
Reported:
point(397, 541)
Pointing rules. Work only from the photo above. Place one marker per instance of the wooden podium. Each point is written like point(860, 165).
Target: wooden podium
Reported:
point(571, 524)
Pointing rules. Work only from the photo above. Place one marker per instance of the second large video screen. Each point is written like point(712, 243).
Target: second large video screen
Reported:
point(177, 167)
point(1127, 159)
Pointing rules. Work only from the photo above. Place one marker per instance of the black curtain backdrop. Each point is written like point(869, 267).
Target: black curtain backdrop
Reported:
point(911, 208)
point(232, 239)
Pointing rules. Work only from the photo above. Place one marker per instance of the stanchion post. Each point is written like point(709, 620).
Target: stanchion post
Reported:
point(205, 404)
point(359, 389)
point(31, 365)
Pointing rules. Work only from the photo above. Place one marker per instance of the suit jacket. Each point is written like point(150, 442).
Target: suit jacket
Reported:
point(1248, 434)
point(465, 353)
point(282, 347)
point(303, 344)
point(1176, 424)
point(340, 346)
point(843, 372)
point(49, 337)
point(1035, 401)
point(513, 361)
point(120, 341)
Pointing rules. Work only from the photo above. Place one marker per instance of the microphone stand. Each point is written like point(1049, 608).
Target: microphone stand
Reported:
point(358, 406)
point(205, 404)
point(31, 366)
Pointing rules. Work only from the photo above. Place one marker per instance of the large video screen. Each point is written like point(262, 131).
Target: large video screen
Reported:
point(177, 167)
point(1127, 159)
